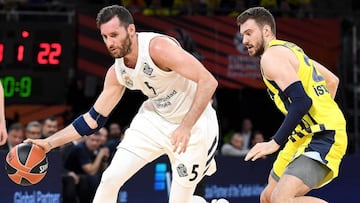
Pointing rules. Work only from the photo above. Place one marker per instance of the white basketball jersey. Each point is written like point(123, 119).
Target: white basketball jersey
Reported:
point(169, 93)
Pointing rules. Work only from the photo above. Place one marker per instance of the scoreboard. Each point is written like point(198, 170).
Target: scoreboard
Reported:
point(35, 60)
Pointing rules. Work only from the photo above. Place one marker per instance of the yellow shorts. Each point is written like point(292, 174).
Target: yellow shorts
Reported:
point(327, 147)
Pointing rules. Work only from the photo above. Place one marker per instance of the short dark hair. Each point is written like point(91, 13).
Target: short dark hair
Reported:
point(108, 12)
point(261, 16)
point(15, 126)
point(50, 118)
point(32, 124)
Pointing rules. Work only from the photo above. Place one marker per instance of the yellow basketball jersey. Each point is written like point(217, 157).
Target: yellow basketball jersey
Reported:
point(324, 113)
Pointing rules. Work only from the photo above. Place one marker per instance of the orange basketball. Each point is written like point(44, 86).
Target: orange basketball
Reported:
point(26, 164)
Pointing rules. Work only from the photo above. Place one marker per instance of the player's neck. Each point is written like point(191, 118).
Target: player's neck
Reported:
point(268, 40)
point(131, 58)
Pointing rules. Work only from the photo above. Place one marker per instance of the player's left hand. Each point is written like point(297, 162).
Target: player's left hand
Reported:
point(180, 139)
point(262, 149)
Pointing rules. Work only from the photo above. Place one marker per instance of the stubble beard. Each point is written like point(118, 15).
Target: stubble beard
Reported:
point(125, 49)
point(261, 48)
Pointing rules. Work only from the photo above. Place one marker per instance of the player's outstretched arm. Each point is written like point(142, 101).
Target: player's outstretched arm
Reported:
point(90, 121)
point(59, 138)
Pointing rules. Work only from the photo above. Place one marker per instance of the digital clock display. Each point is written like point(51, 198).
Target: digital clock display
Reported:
point(35, 60)
point(13, 86)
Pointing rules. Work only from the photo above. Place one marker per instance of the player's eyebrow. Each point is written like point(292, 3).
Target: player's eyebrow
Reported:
point(247, 31)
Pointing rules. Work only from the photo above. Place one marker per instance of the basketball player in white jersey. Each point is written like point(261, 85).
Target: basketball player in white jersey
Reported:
point(177, 119)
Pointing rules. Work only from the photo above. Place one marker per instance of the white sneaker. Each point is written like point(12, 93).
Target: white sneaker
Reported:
point(197, 199)
point(219, 201)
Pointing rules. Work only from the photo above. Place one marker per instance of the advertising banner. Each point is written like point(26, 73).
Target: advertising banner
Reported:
point(48, 190)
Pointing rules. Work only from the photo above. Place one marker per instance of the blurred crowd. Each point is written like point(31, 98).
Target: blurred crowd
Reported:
point(290, 8)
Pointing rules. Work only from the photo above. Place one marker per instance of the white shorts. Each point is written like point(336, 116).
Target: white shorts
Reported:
point(149, 137)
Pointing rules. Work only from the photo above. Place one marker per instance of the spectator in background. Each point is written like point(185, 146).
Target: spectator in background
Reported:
point(33, 130)
point(87, 160)
point(115, 131)
point(114, 138)
point(103, 133)
point(3, 132)
point(256, 137)
point(235, 147)
point(15, 136)
point(246, 131)
point(49, 126)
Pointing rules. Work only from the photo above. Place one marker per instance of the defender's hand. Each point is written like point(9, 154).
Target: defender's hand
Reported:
point(262, 149)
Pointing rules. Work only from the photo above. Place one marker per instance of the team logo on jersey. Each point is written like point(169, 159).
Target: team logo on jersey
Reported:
point(123, 71)
point(181, 169)
point(147, 69)
point(128, 81)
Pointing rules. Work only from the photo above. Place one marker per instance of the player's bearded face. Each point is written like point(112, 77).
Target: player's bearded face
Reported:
point(122, 48)
point(258, 47)
point(255, 43)
point(253, 37)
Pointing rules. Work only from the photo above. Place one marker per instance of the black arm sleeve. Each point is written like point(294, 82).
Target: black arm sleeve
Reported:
point(300, 104)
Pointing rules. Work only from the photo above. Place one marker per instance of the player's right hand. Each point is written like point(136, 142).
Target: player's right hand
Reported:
point(180, 139)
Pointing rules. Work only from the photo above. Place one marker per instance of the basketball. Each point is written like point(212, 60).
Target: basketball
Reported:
point(26, 164)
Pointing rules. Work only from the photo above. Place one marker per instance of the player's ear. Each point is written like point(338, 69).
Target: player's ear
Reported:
point(267, 30)
point(131, 29)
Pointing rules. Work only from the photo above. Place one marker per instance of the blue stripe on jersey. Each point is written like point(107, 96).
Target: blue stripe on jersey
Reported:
point(322, 142)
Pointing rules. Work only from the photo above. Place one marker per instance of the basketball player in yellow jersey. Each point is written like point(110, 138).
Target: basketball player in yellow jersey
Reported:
point(313, 131)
